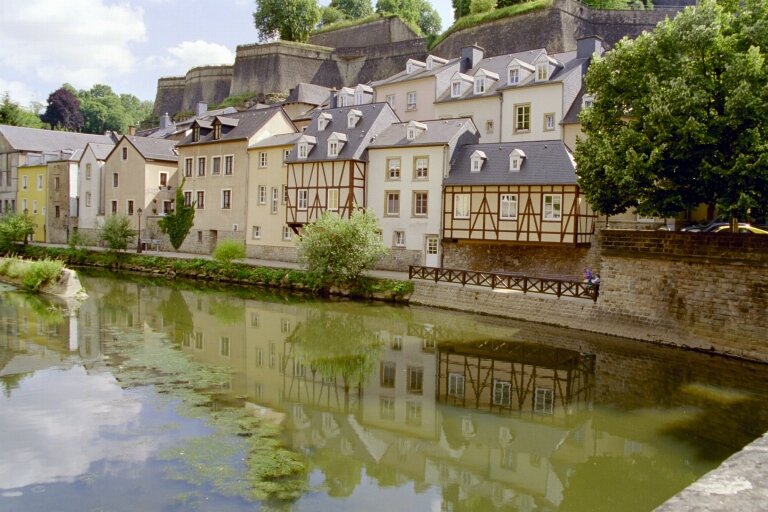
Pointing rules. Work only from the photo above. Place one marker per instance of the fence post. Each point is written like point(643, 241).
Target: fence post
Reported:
point(525, 284)
point(559, 288)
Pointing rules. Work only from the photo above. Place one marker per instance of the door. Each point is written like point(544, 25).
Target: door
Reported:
point(432, 252)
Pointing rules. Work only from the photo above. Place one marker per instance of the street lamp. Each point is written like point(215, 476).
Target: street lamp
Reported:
point(138, 237)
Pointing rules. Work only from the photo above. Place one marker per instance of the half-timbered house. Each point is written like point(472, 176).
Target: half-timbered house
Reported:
point(516, 193)
point(328, 166)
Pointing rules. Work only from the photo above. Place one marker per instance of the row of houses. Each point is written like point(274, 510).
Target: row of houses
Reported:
point(473, 150)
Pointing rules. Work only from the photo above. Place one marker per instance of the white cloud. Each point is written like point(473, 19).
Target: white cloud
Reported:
point(78, 41)
point(19, 92)
point(201, 53)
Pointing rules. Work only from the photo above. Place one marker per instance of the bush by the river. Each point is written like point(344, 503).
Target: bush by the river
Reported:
point(32, 275)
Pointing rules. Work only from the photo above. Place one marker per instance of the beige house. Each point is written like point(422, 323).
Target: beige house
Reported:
point(91, 185)
point(213, 161)
point(407, 164)
point(140, 181)
point(267, 235)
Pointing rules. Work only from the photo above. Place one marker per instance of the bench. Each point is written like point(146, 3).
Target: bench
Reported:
point(148, 243)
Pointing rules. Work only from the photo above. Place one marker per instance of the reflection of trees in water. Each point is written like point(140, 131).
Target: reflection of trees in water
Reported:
point(175, 308)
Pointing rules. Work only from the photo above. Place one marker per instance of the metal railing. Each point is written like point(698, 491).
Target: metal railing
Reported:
point(559, 286)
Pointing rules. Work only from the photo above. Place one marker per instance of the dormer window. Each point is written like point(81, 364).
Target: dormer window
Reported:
point(323, 120)
point(216, 132)
point(414, 129)
point(434, 62)
point(513, 75)
point(304, 146)
point(516, 158)
point(542, 71)
point(455, 89)
point(459, 84)
point(363, 94)
point(480, 84)
point(303, 150)
point(413, 66)
point(335, 143)
point(358, 97)
point(483, 80)
point(476, 161)
point(353, 117)
point(587, 101)
point(196, 134)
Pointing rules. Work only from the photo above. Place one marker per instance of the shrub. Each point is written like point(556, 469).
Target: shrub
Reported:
point(481, 6)
point(40, 273)
point(228, 250)
point(14, 228)
point(116, 232)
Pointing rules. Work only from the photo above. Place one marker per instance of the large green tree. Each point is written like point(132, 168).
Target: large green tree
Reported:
point(289, 20)
point(11, 113)
point(179, 222)
point(680, 116)
point(103, 110)
point(353, 9)
point(417, 12)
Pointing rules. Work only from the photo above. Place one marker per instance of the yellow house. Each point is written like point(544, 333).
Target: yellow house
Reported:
point(32, 194)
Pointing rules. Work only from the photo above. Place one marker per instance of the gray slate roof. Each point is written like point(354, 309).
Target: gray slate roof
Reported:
point(308, 93)
point(248, 123)
point(282, 139)
point(100, 151)
point(403, 76)
point(376, 117)
point(155, 149)
point(35, 139)
point(546, 163)
point(438, 132)
point(572, 116)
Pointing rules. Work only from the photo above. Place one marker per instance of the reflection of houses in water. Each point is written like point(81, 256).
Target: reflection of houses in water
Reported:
point(504, 376)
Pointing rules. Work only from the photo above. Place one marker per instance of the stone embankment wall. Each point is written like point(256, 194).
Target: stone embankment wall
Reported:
point(707, 291)
point(528, 259)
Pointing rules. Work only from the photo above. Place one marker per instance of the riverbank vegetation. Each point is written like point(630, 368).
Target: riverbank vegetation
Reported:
point(31, 275)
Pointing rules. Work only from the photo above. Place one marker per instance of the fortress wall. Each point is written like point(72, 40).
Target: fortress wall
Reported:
point(210, 84)
point(169, 96)
point(380, 32)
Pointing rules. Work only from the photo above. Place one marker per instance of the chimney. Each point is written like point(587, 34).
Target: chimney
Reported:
point(588, 46)
point(202, 108)
point(332, 99)
point(470, 56)
point(132, 130)
point(165, 121)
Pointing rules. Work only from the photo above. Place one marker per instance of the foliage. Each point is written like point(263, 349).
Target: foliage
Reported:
point(416, 12)
point(116, 232)
point(63, 111)
point(15, 228)
point(290, 20)
point(228, 250)
point(619, 4)
point(460, 8)
point(104, 110)
point(472, 20)
point(353, 9)
point(31, 274)
point(14, 115)
point(238, 100)
point(330, 15)
point(336, 251)
point(680, 116)
point(182, 115)
point(481, 6)
point(178, 223)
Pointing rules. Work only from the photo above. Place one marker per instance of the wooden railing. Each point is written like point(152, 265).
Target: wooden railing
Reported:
point(565, 286)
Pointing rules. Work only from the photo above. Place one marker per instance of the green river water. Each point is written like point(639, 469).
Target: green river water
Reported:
point(162, 395)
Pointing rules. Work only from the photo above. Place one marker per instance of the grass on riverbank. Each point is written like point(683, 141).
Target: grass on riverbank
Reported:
point(210, 270)
point(31, 275)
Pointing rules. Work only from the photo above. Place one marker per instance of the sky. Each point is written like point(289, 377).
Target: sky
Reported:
point(126, 44)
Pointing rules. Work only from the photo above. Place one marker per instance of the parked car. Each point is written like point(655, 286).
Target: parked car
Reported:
point(743, 228)
point(697, 228)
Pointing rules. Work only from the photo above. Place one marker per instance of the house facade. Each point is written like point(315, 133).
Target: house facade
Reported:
point(61, 198)
point(91, 186)
point(408, 162)
point(32, 194)
point(213, 162)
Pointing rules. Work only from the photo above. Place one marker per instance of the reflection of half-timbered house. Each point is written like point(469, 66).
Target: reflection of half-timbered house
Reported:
point(328, 165)
point(516, 192)
point(504, 376)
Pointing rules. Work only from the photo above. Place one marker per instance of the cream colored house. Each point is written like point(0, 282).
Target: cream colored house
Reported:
point(408, 162)
point(213, 161)
point(140, 181)
point(91, 185)
point(267, 235)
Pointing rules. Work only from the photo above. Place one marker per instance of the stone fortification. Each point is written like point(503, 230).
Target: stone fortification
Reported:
point(210, 84)
point(389, 29)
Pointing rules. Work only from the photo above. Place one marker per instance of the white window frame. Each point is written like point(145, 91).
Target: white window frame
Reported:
point(552, 207)
point(421, 168)
point(587, 101)
point(462, 211)
point(215, 165)
point(24, 182)
point(398, 238)
point(226, 204)
point(456, 89)
point(303, 150)
point(549, 121)
point(332, 199)
point(333, 148)
point(262, 197)
point(88, 199)
point(456, 385)
point(262, 159)
point(392, 198)
point(480, 85)
point(287, 234)
point(229, 165)
point(302, 199)
point(542, 71)
point(274, 200)
point(255, 232)
point(394, 167)
point(410, 103)
point(477, 164)
point(39, 182)
point(513, 75)
point(502, 392)
point(508, 207)
point(88, 171)
point(544, 401)
point(514, 163)
point(390, 99)
point(417, 203)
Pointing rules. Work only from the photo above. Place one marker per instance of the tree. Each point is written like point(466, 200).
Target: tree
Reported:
point(63, 111)
point(116, 232)
point(228, 250)
point(15, 228)
point(336, 251)
point(680, 115)
point(460, 8)
point(331, 15)
point(481, 6)
point(417, 12)
point(290, 20)
point(353, 9)
point(12, 114)
point(104, 110)
point(179, 222)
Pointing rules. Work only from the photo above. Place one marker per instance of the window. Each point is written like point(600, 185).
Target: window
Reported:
point(455, 89)
point(285, 325)
point(167, 206)
point(255, 323)
point(522, 118)
point(115, 180)
point(387, 408)
point(488, 127)
point(228, 164)
point(333, 148)
point(508, 206)
point(477, 164)
point(256, 232)
point(542, 71)
point(125, 153)
point(513, 76)
point(262, 159)
point(217, 132)
point(34, 208)
point(391, 100)
point(411, 101)
point(552, 206)
point(332, 201)
point(286, 152)
point(114, 207)
point(287, 233)
point(40, 182)
point(88, 171)
point(421, 168)
point(87, 199)
point(130, 207)
point(393, 168)
point(303, 199)
point(285, 194)
point(188, 167)
point(303, 150)
point(226, 199)
point(502, 392)
point(56, 183)
point(419, 204)
point(415, 379)
point(514, 162)
point(393, 203)
point(461, 206)
point(201, 200)
point(413, 413)
point(262, 194)
point(388, 373)
point(397, 343)
point(273, 200)
point(24, 205)
point(456, 384)
point(163, 179)
point(201, 166)
point(398, 238)
point(323, 120)
point(544, 400)
point(199, 341)
point(224, 346)
point(195, 133)
point(479, 84)
point(23, 182)
point(215, 165)
point(354, 115)
point(432, 245)
point(587, 101)
point(549, 122)
point(187, 199)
